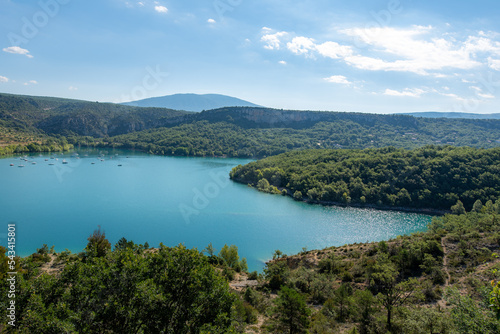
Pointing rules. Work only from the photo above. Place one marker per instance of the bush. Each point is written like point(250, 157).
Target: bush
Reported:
point(254, 275)
point(297, 196)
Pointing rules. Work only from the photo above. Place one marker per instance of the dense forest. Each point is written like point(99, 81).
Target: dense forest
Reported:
point(235, 131)
point(257, 132)
point(435, 177)
point(445, 280)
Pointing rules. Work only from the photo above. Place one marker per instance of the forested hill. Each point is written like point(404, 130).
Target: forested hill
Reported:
point(64, 116)
point(260, 132)
point(232, 131)
point(428, 177)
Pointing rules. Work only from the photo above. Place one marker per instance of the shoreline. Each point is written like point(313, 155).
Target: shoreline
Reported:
point(427, 211)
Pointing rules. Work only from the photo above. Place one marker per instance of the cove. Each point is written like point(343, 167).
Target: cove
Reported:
point(171, 200)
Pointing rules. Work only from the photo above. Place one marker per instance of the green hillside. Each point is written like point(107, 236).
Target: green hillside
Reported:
point(430, 177)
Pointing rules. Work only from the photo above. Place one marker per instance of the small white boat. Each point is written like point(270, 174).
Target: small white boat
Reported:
point(20, 166)
point(64, 162)
point(11, 165)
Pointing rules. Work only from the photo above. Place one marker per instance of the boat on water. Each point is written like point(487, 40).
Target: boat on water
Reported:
point(120, 165)
point(11, 165)
point(46, 159)
point(64, 162)
point(33, 163)
point(20, 166)
point(51, 164)
point(92, 163)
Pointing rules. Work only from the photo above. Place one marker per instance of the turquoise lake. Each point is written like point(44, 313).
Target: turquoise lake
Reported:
point(171, 200)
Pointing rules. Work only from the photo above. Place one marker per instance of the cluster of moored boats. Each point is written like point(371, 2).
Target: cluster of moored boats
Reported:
point(64, 161)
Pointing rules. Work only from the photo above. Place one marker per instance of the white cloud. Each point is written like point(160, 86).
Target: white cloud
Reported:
point(338, 79)
point(141, 4)
point(416, 49)
point(406, 92)
point(494, 64)
point(334, 50)
point(161, 9)
point(211, 21)
point(72, 88)
point(31, 82)
point(415, 53)
point(480, 93)
point(301, 45)
point(486, 96)
point(282, 62)
point(273, 41)
point(18, 50)
point(4, 79)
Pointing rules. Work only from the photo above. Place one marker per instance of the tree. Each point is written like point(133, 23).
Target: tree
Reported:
point(297, 196)
point(392, 293)
point(98, 245)
point(478, 205)
point(342, 298)
point(364, 301)
point(292, 311)
point(210, 250)
point(123, 244)
point(468, 317)
point(427, 320)
point(277, 274)
point(458, 209)
point(263, 185)
point(173, 290)
point(230, 257)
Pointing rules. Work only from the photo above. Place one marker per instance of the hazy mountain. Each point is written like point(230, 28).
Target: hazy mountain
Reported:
point(192, 102)
point(435, 114)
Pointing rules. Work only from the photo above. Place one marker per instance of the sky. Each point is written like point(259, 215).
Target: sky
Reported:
point(359, 56)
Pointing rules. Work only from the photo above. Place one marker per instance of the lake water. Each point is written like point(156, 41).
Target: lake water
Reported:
point(172, 200)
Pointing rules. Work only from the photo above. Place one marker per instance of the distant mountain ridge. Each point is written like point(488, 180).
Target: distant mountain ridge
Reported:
point(436, 114)
point(192, 102)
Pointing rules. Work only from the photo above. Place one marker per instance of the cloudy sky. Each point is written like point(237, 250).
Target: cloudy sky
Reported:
point(367, 56)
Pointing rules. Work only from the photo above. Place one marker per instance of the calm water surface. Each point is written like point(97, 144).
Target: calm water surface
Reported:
point(172, 200)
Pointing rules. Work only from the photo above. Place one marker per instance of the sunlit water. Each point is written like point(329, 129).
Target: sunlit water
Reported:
point(172, 200)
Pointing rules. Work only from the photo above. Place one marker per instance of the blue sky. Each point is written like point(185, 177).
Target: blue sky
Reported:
point(367, 56)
